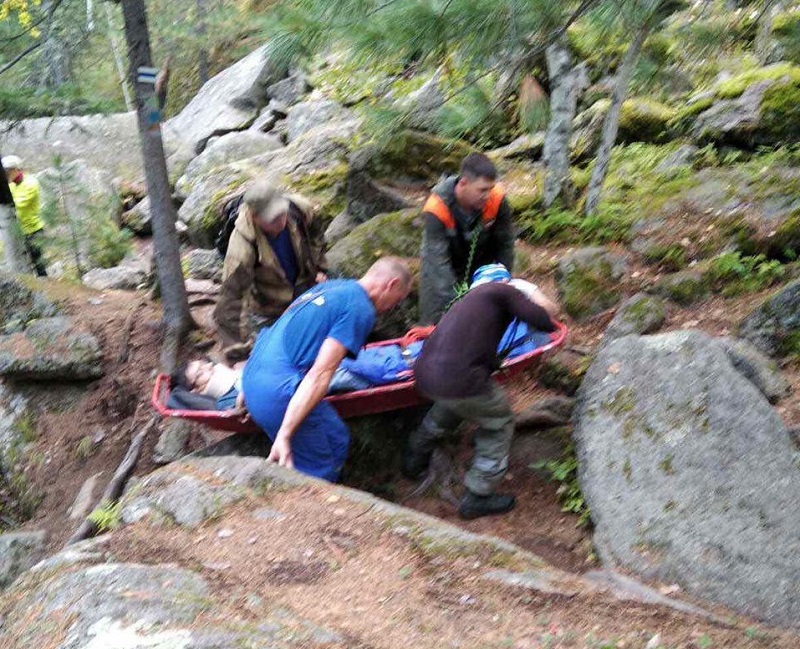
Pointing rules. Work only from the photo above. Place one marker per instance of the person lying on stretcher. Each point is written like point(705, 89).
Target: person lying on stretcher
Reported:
point(205, 385)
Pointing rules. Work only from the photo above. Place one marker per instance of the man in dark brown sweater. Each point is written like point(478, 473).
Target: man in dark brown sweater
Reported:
point(454, 370)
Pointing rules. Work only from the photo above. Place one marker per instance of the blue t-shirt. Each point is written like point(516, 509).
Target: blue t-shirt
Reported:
point(338, 309)
point(284, 251)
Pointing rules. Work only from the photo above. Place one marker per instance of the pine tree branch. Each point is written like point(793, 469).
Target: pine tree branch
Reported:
point(19, 57)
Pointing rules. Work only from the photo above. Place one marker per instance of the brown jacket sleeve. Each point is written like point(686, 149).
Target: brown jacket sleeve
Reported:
point(237, 278)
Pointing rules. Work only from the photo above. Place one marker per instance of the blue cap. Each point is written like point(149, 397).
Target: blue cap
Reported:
point(490, 273)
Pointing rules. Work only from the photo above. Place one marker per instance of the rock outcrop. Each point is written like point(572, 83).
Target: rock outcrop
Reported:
point(690, 475)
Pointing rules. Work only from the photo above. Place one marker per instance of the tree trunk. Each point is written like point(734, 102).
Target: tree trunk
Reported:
point(177, 319)
point(565, 85)
point(611, 122)
point(202, 54)
point(54, 51)
point(764, 31)
point(123, 81)
point(13, 251)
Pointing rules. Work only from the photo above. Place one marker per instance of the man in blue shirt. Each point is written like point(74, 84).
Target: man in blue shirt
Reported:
point(292, 364)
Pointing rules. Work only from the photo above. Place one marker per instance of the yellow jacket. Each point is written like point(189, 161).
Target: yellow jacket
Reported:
point(26, 201)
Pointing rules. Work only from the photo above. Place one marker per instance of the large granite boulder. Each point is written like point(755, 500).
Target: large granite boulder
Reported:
point(223, 150)
point(254, 573)
point(18, 552)
point(109, 142)
point(123, 278)
point(218, 107)
point(80, 189)
point(308, 115)
point(50, 349)
point(690, 475)
point(774, 325)
point(203, 264)
point(83, 205)
point(139, 218)
point(312, 165)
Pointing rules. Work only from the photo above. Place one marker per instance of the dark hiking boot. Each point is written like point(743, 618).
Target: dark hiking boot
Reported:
point(415, 465)
point(474, 506)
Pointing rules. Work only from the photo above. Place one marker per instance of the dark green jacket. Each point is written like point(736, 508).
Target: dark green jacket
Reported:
point(445, 253)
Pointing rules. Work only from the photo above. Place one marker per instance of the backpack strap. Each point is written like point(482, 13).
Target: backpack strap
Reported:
point(436, 206)
point(492, 207)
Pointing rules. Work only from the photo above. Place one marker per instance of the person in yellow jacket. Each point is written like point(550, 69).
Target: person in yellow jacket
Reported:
point(25, 192)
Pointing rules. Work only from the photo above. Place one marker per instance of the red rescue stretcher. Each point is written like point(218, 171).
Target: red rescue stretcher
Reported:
point(383, 398)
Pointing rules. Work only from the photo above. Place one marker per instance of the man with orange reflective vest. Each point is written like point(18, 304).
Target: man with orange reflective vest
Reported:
point(467, 224)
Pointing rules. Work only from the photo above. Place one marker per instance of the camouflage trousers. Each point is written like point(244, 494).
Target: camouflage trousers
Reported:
point(495, 420)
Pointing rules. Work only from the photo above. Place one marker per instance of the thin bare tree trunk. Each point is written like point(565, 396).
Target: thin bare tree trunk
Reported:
point(611, 122)
point(13, 251)
point(123, 81)
point(764, 32)
point(202, 54)
point(565, 86)
point(177, 318)
point(55, 52)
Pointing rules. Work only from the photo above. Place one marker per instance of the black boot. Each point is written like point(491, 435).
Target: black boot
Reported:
point(474, 506)
point(415, 464)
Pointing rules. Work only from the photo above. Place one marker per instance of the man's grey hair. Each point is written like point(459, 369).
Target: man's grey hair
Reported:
point(389, 268)
point(265, 201)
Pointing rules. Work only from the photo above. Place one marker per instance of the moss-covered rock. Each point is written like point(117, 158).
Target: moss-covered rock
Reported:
point(736, 85)
point(780, 112)
point(756, 107)
point(588, 281)
point(641, 314)
point(326, 188)
point(645, 120)
point(396, 233)
point(640, 120)
point(684, 287)
point(414, 155)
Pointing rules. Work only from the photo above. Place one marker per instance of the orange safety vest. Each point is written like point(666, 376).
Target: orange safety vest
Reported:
point(436, 206)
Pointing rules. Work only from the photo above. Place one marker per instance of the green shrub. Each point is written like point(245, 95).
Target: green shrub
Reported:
point(107, 516)
point(565, 471)
point(567, 226)
point(670, 257)
point(733, 274)
point(108, 244)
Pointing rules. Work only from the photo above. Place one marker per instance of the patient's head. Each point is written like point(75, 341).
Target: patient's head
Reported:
point(203, 376)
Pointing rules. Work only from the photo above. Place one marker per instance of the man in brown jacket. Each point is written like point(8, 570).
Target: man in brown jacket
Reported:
point(275, 253)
